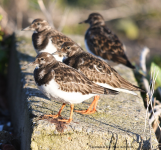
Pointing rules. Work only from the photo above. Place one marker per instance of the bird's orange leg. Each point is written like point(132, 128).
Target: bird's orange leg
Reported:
point(59, 113)
point(90, 110)
point(71, 114)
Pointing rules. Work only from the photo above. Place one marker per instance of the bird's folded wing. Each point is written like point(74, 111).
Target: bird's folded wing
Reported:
point(102, 42)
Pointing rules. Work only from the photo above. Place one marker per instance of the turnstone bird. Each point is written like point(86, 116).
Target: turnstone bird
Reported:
point(101, 42)
point(45, 38)
point(69, 86)
point(95, 70)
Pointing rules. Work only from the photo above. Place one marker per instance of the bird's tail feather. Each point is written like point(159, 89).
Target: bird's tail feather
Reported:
point(97, 89)
point(124, 60)
point(111, 92)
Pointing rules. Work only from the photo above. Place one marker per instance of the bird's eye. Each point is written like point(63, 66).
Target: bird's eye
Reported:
point(42, 58)
point(38, 23)
point(68, 47)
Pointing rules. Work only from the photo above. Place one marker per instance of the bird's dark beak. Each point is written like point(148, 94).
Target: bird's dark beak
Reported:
point(85, 21)
point(32, 63)
point(29, 28)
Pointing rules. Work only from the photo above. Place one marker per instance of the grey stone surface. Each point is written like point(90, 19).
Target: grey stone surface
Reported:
point(117, 124)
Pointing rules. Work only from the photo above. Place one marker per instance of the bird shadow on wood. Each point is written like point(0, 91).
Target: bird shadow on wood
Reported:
point(36, 92)
point(60, 126)
point(26, 57)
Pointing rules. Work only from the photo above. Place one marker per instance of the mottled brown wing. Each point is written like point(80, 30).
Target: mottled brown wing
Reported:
point(102, 42)
point(59, 39)
point(99, 71)
point(70, 80)
point(96, 70)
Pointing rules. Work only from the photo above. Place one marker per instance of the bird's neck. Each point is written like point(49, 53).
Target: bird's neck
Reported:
point(97, 24)
point(53, 64)
point(46, 29)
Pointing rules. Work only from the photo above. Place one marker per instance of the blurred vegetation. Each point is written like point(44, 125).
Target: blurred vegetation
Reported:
point(69, 3)
point(1, 33)
point(84, 3)
point(133, 27)
point(4, 52)
point(156, 59)
point(157, 69)
point(152, 66)
point(129, 27)
point(76, 29)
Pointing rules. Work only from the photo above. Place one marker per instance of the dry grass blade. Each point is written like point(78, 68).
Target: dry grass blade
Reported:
point(150, 102)
point(63, 20)
point(46, 13)
point(147, 97)
point(143, 55)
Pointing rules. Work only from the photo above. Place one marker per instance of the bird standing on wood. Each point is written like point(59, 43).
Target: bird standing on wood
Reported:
point(64, 83)
point(101, 42)
point(96, 70)
point(47, 39)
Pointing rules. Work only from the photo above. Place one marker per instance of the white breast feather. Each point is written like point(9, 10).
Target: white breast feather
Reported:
point(50, 48)
point(52, 90)
point(86, 45)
